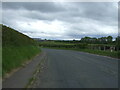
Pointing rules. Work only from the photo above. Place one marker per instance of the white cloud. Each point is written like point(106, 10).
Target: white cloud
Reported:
point(73, 21)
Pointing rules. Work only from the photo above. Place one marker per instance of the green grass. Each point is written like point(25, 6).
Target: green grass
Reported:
point(11, 37)
point(17, 49)
point(113, 54)
point(0, 62)
point(62, 44)
point(14, 57)
point(55, 43)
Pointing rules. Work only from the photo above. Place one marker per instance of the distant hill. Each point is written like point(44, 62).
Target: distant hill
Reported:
point(11, 37)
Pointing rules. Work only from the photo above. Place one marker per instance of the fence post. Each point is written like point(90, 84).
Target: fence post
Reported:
point(104, 48)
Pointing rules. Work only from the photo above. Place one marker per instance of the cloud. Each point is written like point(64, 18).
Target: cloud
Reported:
point(33, 6)
point(62, 20)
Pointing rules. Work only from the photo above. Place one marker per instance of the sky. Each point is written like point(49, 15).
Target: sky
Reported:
point(62, 20)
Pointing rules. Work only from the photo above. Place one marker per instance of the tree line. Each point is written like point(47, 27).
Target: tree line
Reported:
point(94, 40)
point(101, 40)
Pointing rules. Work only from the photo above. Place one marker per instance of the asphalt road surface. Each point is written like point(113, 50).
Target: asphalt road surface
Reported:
point(73, 69)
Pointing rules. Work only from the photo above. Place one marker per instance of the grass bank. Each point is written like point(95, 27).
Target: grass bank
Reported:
point(14, 57)
point(0, 62)
point(113, 54)
point(17, 49)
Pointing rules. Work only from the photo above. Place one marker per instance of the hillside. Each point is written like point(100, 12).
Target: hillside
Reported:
point(11, 37)
point(17, 48)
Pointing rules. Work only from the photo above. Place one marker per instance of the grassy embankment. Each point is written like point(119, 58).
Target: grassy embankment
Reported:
point(0, 52)
point(78, 47)
point(17, 49)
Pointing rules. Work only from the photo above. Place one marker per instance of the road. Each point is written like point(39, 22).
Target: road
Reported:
point(73, 69)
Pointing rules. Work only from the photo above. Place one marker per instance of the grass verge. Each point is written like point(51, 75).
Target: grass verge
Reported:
point(14, 57)
point(33, 79)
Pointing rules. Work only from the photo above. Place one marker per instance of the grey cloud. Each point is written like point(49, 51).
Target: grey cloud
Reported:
point(33, 6)
point(76, 17)
point(103, 12)
point(69, 11)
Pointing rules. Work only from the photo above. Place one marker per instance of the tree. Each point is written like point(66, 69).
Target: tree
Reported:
point(94, 40)
point(118, 42)
point(117, 39)
point(73, 39)
point(109, 39)
point(86, 39)
point(102, 40)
